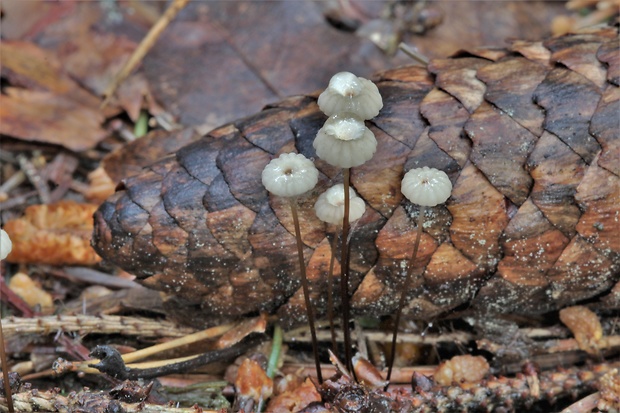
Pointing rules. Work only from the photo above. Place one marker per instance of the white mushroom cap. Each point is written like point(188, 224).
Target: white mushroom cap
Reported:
point(5, 244)
point(344, 141)
point(329, 207)
point(349, 93)
point(291, 174)
point(426, 186)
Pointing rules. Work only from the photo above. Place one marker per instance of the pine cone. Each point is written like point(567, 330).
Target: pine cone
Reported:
point(528, 136)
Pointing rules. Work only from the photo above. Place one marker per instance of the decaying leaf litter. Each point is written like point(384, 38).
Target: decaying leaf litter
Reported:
point(154, 111)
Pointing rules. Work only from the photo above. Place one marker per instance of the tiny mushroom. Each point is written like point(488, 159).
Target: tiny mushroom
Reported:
point(426, 186)
point(290, 175)
point(349, 93)
point(5, 244)
point(344, 141)
point(329, 207)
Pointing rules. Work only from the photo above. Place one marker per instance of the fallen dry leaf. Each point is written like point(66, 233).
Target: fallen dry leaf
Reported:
point(252, 381)
point(294, 399)
point(585, 326)
point(100, 186)
point(56, 234)
point(47, 117)
point(461, 369)
point(610, 391)
point(52, 107)
point(31, 292)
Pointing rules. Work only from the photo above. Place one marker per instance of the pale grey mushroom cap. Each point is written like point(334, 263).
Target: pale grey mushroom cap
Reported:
point(426, 186)
point(5, 244)
point(344, 141)
point(329, 206)
point(349, 93)
point(291, 174)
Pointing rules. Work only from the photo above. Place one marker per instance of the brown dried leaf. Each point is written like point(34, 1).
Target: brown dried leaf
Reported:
point(367, 373)
point(252, 381)
point(585, 326)
point(294, 399)
point(53, 108)
point(56, 234)
point(461, 369)
point(50, 118)
point(610, 391)
point(31, 292)
point(100, 186)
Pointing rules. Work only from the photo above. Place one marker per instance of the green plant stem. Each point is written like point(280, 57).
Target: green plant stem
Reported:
point(276, 349)
point(5, 370)
point(404, 291)
point(304, 285)
point(344, 272)
point(142, 125)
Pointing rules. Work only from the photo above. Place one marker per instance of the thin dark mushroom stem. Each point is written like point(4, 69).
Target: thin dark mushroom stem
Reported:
point(330, 297)
point(404, 291)
point(304, 285)
point(344, 271)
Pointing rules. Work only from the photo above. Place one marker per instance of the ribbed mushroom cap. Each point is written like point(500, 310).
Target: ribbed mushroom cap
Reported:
point(5, 244)
point(289, 175)
point(349, 93)
point(329, 206)
point(426, 186)
point(344, 141)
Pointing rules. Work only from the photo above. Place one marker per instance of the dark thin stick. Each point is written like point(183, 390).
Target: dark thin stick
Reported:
point(112, 364)
point(404, 291)
point(304, 285)
point(344, 272)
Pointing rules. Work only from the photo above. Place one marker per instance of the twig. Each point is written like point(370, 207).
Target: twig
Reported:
point(491, 394)
point(379, 336)
point(145, 45)
point(84, 324)
point(112, 363)
point(34, 176)
point(13, 182)
point(51, 401)
point(585, 405)
point(557, 346)
point(90, 276)
point(17, 200)
point(182, 341)
point(412, 53)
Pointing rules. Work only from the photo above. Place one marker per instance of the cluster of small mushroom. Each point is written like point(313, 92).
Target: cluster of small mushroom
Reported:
point(344, 141)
